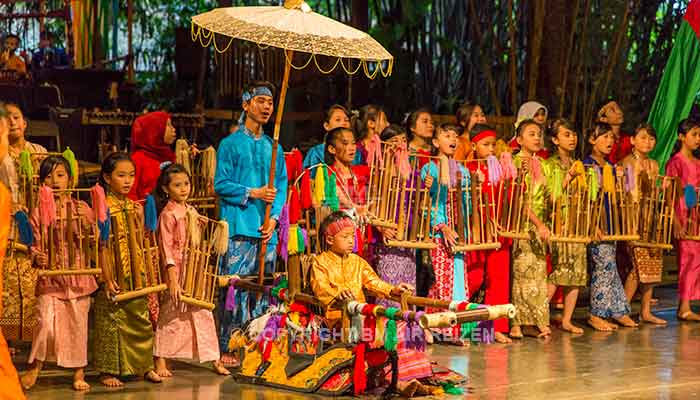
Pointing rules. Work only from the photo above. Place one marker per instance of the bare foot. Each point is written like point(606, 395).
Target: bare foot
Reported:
point(516, 332)
point(544, 331)
point(599, 324)
point(570, 327)
point(153, 377)
point(162, 368)
point(230, 360)
point(110, 381)
point(626, 321)
point(501, 338)
point(688, 316)
point(652, 319)
point(220, 369)
point(79, 383)
point(28, 379)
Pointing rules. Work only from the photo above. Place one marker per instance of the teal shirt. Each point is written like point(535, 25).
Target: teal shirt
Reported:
point(243, 163)
point(438, 195)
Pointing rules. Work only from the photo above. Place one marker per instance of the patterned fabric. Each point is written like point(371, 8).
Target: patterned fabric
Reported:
point(62, 332)
point(538, 199)
point(242, 259)
point(608, 299)
point(444, 267)
point(689, 270)
point(122, 337)
point(395, 266)
point(529, 282)
point(11, 165)
point(184, 331)
point(648, 264)
point(18, 297)
point(570, 265)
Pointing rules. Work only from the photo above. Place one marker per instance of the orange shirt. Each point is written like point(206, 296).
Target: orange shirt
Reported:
point(464, 148)
point(15, 63)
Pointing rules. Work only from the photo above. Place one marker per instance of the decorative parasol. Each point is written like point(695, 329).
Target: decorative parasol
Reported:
point(293, 27)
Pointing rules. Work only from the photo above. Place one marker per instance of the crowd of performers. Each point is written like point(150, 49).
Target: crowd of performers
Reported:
point(352, 254)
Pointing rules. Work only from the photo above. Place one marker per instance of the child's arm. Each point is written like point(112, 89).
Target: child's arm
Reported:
point(321, 285)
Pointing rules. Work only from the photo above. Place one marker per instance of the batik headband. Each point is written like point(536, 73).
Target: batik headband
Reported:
point(483, 135)
point(335, 227)
point(254, 92)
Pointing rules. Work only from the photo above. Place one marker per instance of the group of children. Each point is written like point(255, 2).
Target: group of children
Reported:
point(522, 272)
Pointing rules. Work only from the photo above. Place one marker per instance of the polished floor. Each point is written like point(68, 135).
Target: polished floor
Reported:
point(644, 363)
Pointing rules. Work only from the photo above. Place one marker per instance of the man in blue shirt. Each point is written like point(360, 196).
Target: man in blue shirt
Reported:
point(241, 182)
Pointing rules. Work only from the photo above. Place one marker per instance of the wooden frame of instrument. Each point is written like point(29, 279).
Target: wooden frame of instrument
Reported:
point(199, 281)
point(656, 210)
point(575, 214)
point(473, 212)
point(62, 235)
point(618, 221)
point(144, 255)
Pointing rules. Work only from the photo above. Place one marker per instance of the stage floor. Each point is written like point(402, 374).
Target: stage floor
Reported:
point(645, 363)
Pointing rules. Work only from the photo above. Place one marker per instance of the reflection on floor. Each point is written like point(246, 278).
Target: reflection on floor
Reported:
point(645, 363)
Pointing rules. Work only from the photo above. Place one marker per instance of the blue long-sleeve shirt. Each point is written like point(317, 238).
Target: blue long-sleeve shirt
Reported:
point(242, 164)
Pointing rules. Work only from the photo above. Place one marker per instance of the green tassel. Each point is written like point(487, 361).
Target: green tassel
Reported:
point(467, 328)
point(70, 157)
point(331, 190)
point(25, 164)
point(450, 388)
point(593, 186)
point(391, 339)
point(301, 246)
point(557, 184)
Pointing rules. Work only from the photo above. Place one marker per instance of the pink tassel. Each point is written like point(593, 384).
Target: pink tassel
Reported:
point(536, 169)
point(402, 163)
point(495, 171)
point(99, 202)
point(47, 206)
point(374, 151)
point(507, 166)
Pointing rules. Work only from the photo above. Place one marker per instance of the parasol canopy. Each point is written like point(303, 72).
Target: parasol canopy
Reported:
point(295, 27)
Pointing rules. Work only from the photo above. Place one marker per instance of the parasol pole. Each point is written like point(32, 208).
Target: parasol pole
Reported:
point(273, 161)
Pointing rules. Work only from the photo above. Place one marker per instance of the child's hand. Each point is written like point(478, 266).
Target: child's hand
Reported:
point(195, 151)
point(344, 295)
point(84, 210)
point(112, 288)
point(41, 259)
point(450, 236)
point(543, 232)
point(428, 181)
point(403, 287)
point(174, 290)
point(480, 177)
point(679, 231)
point(388, 233)
point(598, 235)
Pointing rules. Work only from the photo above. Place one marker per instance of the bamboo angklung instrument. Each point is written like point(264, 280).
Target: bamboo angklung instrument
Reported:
point(478, 210)
point(618, 222)
point(656, 208)
point(571, 220)
point(513, 216)
point(384, 187)
point(70, 233)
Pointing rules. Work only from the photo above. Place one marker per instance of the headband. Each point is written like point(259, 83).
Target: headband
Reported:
point(483, 135)
point(337, 226)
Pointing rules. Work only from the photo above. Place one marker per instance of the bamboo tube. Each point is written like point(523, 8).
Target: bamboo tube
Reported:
point(415, 222)
point(189, 267)
point(401, 224)
point(460, 211)
point(421, 245)
point(429, 216)
point(476, 232)
point(207, 305)
point(136, 261)
point(52, 252)
point(140, 292)
point(69, 236)
point(71, 272)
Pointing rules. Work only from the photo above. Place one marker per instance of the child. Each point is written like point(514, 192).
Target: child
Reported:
point(420, 129)
point(9, 61)
point(370, 122)
point(609, 112)
point(529, 293)
point(123, 335)
point(152, 136)
point(336, 116)
point(184, 331)
point(394, 265)
point(537, 112)
point(647, 262)
point(569, 263)
point(686, 166)
point(608, 298)
point(490, 269)
point(468, 115)
point(450, 277)
point(63, 303)
point(350, 179)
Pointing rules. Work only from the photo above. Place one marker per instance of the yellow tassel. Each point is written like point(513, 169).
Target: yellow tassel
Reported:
point(193, 227)
point(608, 179)
point(580, 172)
point(182, 154)
point(208, 164)
point(292, 242)
point(220, 238)
point(319, 186)
point(237, 341)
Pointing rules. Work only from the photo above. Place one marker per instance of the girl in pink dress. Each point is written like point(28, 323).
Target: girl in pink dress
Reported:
point(183, 331)
point(63, 302)
point(686, 166)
